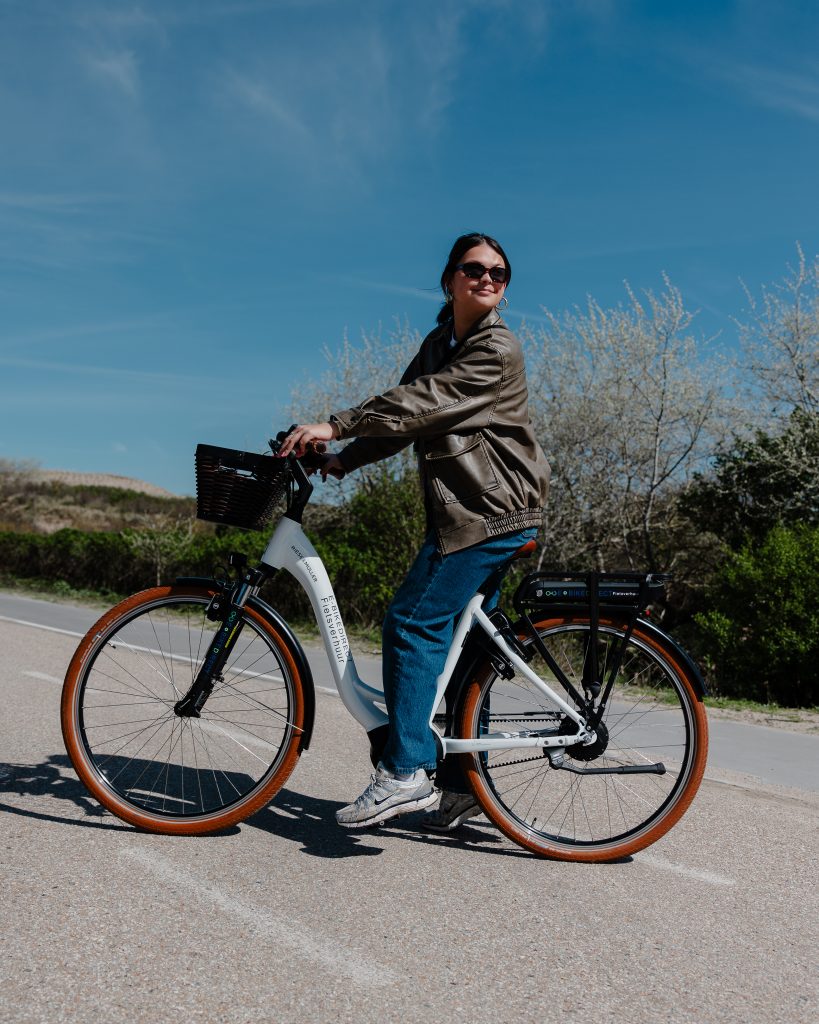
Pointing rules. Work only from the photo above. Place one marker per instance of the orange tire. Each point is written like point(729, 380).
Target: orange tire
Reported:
point(654, 719)
point(170, 774)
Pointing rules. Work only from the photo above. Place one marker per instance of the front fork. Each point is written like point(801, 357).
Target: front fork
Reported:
point(225, 606)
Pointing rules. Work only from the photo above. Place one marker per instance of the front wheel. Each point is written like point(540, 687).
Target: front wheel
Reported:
point(145, 763)
point(654, 717)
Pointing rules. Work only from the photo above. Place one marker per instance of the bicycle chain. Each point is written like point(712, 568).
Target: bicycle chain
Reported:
point(522, 760)
point(519, 718)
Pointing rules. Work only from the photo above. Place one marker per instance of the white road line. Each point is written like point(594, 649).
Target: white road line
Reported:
point(44, 676)
point(174, 657)
point(39, 625)
point(331, 955)
point(680, 869)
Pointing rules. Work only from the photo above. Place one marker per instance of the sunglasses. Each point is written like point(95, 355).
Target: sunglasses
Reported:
point(475, 271)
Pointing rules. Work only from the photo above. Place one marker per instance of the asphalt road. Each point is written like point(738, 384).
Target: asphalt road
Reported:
point(288, 918)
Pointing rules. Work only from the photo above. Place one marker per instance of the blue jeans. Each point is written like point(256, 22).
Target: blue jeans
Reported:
point(417, 633)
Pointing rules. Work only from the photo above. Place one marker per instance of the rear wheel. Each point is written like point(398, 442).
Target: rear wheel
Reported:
point(654, 717)
point(171, 774)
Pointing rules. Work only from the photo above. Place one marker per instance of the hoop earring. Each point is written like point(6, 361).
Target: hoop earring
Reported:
point(448, 296)
point(504, 299)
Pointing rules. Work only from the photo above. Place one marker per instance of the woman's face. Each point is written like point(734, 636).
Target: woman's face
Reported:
point(475, 297)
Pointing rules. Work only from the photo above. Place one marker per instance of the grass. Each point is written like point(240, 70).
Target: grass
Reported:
point(59, 590)
point(777, 710)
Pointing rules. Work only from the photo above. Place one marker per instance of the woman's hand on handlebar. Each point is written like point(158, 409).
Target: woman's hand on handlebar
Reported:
point(298, 438)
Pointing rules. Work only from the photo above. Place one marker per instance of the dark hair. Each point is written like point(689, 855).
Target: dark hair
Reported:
point(462, 245)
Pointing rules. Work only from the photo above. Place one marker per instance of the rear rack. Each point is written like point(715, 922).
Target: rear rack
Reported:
point(627, 589)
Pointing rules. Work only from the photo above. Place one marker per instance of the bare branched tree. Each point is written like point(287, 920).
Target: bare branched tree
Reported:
point(781, 340)
point(627, 404)
point(354, 373)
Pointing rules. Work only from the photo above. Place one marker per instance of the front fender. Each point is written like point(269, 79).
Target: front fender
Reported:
point(294, 648)
point(300, 658)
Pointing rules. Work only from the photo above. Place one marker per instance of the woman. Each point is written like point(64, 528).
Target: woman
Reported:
point(463, 403)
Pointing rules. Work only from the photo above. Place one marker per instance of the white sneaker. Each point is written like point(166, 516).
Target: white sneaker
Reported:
point(386, 797)
point(454, 809)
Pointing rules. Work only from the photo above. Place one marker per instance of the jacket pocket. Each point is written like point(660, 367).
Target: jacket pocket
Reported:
point(458, 476)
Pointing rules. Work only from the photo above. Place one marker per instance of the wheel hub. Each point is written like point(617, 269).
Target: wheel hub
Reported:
point(585, 751)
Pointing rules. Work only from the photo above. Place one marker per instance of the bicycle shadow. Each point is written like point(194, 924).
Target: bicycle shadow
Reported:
point(307, 820)
point(310, 821)
point(54, 778)
point(293, 816)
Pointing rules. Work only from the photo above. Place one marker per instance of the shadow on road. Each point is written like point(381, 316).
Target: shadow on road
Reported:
point(51, 779)
point(306, 820)
point(310, 821)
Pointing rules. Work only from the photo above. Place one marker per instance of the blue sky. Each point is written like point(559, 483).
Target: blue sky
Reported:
point(196, 196)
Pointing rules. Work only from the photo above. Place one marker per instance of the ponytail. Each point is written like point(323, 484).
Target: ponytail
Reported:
point(445, 313)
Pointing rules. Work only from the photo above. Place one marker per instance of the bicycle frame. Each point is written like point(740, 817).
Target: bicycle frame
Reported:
point(290, 549)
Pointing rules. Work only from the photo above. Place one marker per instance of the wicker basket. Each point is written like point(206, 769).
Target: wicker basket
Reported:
point(238, 488)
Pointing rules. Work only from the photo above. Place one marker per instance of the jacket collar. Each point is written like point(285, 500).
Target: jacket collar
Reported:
point(492, 319)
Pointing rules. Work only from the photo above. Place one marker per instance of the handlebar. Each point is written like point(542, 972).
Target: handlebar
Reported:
point(312, 460)
point(300, 466)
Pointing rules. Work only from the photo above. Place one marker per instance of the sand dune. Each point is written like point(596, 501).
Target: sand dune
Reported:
point(64, 476)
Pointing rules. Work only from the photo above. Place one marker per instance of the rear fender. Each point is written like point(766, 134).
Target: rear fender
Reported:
point(647, 626)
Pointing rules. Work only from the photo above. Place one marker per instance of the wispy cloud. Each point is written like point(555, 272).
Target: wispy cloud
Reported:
point(432, 296)
point(61, 230)
point(361, 91)
point(261, 98)
point(118, 69)
point(440, 66)
point(46, 335)
point(426, 294)
point(120, 373)
point(794, 92)
point(51, 202)
point(130, 378)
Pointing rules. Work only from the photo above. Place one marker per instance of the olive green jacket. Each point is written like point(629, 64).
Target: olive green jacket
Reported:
point(482, 471)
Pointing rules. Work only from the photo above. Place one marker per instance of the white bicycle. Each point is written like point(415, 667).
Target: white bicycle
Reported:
point(580, 725)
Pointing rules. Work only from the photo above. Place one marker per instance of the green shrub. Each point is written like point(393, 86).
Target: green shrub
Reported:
point(369, 543)
point(769, 480)
point(760, 635)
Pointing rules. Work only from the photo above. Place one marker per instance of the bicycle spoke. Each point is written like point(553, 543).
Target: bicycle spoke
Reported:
point(145, 754)
point(585, 799)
